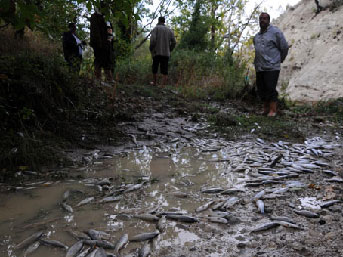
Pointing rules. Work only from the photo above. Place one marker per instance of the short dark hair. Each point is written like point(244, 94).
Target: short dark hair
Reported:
point(161, 19)
point(71, 25)
point(266, 14)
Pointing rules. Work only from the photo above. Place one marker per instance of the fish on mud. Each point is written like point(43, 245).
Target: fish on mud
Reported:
point(307, 214)
point(265, 227)
point(110, 199)
point(74, 249)
point(100, 252)
point(84, 253)
point(144, 236)
point(31, 248)
point(289, 225)
point(85, 201)
point(232, 191)
point(180, 194)
point(330, 173)
point(67, 207)
point(230, 202)
point(260, 206)
point(97, 235)
point(329, 203)
point(30, 240)
point(335, 180)
point(182, 218)
point(147, 217)
point(218, 205)
point(133, 188)
point(99, 243)
point(282, 218)
point(53, 243)
point(122, 242)
point(212, 190)
point(162, 224)
point(78, 235)
point(259, 195)
point(66, 195)
point(205, 206)
point(145, 250)
point(217, 220)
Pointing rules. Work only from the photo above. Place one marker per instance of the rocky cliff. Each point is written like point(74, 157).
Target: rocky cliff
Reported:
point(313, 70)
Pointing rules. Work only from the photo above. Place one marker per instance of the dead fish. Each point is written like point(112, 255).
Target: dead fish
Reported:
point(217, 220)
point(180, 194)
point(121, 243)
point(182, 218)
point(213, 190)
point(218, 205)
point(329, 203)
point(84, 253)
point(282, 218)
point(31, 248)
point(100, 253)
point(85, 201)
point(110, 199)
point(265, 227)
point(170, 213)
point(335, 180)
point(30, 240)
point(97, 235)
point(162, 223)
point(260, 206)
point(54, 243)
point(145, 250)
point(133, 188)
point(259, 195)
point(257, 184)
point(232, 191)
point(307, 214)
point(330, 173)
point(99, 243)
point(147, 217)
point(144, 236)
point(67, 207)
point(230, 202)
point(288, 224)
point(79, 235)
point(322, 164)
point(74, 249)
point(205, 206)
point(66, 195)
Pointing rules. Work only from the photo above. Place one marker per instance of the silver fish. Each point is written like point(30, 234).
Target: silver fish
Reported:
point(97, 235)
point(78, 235)
point(145, 250)
point(329, 203)
point(85, 201)
point(307, 214)
point(231, 202)
point(30, 240)
point(144, 236)
point(99, 243)
point(260, 206)
point(162, 223)
point(259, 195)
point(133, 188)
point(288, 225)
point(330, 172)
point(84, 253)
point(147, 217)
point(66, 195)
point(213, 190)
point(265, 227)
point(205, 206)
point(31, 248)
point(100, 253)
point(232, 191)
point(121, 243)
point(217, 220)
point(67, 207)
point(74, 249)
point(282, 218)
point(335, 180)
point(54, 243)
point(182, 218)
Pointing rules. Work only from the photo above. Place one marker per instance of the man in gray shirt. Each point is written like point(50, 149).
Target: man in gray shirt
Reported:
point(271, 49)
point(162, 42)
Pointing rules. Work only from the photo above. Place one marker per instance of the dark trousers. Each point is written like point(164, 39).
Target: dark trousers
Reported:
point(161, 61)
point(266, 82)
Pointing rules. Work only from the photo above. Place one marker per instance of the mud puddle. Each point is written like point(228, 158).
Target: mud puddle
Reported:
point(218, 198)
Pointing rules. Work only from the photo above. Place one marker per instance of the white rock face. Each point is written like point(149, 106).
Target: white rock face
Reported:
point(313, 69)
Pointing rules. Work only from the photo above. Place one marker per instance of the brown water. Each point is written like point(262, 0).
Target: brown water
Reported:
point(36, 206)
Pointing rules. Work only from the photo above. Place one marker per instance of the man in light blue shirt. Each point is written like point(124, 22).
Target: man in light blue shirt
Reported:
point(271, 49)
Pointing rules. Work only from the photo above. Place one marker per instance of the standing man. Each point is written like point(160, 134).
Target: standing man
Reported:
point(72, 48)
point(271, 49)
point(162, 42)
point(101, 40)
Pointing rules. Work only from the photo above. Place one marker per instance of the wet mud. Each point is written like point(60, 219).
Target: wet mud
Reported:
point(171, 193)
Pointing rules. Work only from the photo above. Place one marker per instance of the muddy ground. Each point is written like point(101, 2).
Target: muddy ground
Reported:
point(218, 180)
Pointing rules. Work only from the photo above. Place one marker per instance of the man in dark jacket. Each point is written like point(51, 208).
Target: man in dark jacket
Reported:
point(162, 42)
point(271, 49)
point(72, 48)
point(101, 40)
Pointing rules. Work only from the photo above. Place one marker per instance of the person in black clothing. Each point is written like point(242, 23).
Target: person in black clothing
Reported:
point(72, 48)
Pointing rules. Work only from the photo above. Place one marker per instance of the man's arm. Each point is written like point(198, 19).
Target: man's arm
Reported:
point(152, 40)
point(282, 45)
